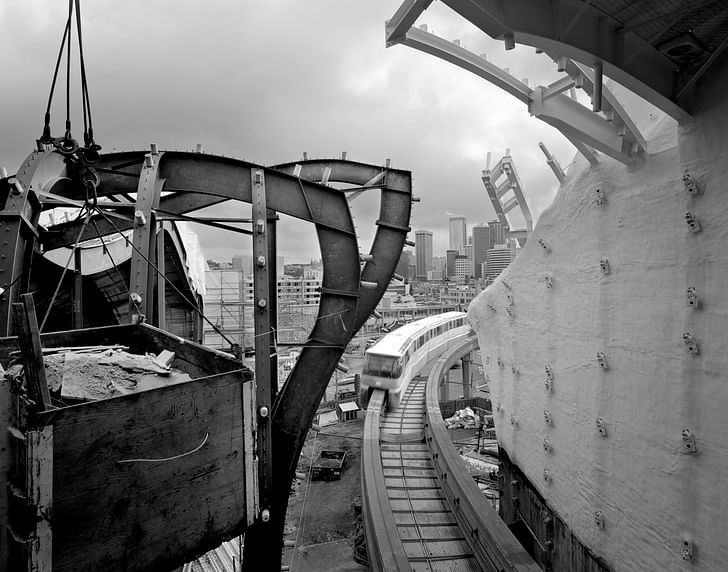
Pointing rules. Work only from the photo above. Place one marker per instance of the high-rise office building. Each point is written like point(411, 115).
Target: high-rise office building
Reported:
point(458, 234)
point(481, 244)
point(404, 263)
point(462, 266)
point(423, 253)
point(450, 262)
point(497, 259)
point(469, 255)
point(497, 233)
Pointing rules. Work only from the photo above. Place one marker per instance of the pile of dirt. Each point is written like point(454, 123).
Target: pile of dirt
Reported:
point(87, 374)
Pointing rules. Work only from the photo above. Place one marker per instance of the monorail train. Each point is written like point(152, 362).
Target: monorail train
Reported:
point(399, 356)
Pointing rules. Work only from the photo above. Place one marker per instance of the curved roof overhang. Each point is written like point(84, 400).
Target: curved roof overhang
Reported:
point(659, 49)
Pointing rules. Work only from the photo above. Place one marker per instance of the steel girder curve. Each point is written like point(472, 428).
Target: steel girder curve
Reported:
point(335, 325)
point(20, 211)
point(596, 36)
point(392, 225)
point(296, 403)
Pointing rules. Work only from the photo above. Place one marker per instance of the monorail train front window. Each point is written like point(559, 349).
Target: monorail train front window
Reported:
point(382, 366)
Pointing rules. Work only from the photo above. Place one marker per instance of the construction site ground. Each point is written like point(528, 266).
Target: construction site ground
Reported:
point(321, 520)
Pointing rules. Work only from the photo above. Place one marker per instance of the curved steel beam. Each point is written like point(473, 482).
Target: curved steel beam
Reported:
point(626, 57)
point(548, 104)
point(189, 176)
point(454, 54)
point(392, 225)
point(19, 218)
point(296, 403)
point(403, 19)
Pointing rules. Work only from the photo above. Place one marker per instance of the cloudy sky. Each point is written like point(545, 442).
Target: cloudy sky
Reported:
point(266, 81)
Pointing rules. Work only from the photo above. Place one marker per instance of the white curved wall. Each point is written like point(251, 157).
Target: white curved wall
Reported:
point(652, 494)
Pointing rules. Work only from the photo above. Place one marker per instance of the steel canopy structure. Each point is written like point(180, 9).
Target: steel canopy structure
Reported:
point(659, 50)
point(137, 192)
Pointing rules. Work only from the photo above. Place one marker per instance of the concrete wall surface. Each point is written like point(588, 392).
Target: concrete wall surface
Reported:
point(658, 490)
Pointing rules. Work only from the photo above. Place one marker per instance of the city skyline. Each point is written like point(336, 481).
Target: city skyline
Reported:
point(376, 102)
point(412, 251)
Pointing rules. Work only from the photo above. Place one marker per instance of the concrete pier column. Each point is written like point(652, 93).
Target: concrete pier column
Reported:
point(466, 376)
point(445, 387)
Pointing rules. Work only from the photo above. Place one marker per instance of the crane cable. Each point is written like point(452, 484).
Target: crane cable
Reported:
point(89, 154)
point(160, 274)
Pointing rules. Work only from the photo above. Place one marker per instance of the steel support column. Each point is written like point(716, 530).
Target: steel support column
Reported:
point(77, 291)
point(263, 381)
point(141, 283)
point(161, 283)
point(271, 229)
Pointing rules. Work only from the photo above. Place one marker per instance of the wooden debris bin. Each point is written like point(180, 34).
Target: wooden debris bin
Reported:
point(143, 481)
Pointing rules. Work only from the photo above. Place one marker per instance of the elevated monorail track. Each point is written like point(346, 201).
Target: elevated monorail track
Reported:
point(422, 510)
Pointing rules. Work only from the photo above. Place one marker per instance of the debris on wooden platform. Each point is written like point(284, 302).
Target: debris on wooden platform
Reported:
point(99, 372)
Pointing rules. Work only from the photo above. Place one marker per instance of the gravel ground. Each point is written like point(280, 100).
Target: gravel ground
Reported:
point(320, 514)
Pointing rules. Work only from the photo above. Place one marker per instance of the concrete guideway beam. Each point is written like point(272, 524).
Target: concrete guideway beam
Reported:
point(586, 35)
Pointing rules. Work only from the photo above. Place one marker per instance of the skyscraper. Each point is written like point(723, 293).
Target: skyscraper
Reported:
point(497, 233)
point(481, 244)
point(462, 266)
point(498, 260)
point(458, 234)
point(450, 264)
point(404, 263)
point(423, 253)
